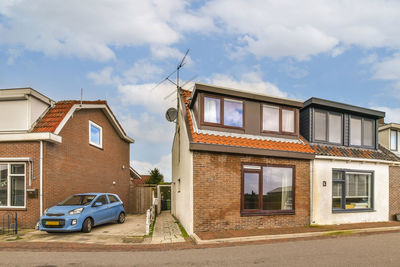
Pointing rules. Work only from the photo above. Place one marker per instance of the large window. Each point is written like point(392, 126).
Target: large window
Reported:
point(351, 190)
point(362, 132)
point(328, 127)
point(278, 119)
point(267, 189)
point(12, 184)
point(222, 112)
point(95, 134)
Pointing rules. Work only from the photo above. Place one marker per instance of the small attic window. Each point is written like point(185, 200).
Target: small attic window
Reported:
point(95, 135)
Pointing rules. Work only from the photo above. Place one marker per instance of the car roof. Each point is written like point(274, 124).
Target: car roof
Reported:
point(94, 194)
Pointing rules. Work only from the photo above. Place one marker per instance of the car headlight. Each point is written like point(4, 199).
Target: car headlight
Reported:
point(75, 211)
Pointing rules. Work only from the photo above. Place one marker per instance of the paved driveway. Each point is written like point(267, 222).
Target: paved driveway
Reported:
point(131, 231)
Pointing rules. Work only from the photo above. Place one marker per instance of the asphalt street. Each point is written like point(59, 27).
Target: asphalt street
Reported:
point(367, 250)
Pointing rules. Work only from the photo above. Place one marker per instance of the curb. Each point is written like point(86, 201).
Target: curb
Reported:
point(200, 241)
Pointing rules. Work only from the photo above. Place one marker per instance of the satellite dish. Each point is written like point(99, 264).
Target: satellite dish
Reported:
point(171, 114)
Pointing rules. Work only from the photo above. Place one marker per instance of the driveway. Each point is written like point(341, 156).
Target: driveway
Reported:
point(132, 231)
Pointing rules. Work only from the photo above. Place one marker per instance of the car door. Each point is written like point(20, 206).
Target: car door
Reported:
point(114, 206)
point(100, 213)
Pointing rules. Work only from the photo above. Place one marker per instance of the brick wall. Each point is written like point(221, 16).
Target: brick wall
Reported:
point(75, 166)
point(217, 193)
point(394, 191)
point(28, 216)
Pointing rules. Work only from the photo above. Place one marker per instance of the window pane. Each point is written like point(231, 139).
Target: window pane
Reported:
point(320, 126)
point(3, 184)
point(355, 132)
point(287, 121)
point(251, 191)
point(337, 175)
point(270, 118)
point(277, 188)
point(17, 169)
point(112, 198)
point(212, 108)
point(17, 190)
point(335, 128)
point(368, 133)
point(358, 188)
point(337, 195)
point(95, 134)
point(102, 199)
point(393, 140)
point(233, 113)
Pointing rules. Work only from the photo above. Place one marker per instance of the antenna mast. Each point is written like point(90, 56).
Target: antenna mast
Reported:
point(178, 89)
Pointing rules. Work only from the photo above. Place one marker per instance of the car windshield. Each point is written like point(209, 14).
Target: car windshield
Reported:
point(77, 200)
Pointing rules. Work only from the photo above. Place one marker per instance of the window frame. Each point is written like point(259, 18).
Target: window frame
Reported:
point(261, 211)
point(221, 110)
point(343, 182)
point(9, 174)
point(294, 133)
point(327, 113)
point(362, 132)
point(91, 123)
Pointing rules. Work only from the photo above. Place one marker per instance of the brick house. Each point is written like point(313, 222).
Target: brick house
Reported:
point(232, 147)
point(389, 137)
point(351, 173)
point(50, 150)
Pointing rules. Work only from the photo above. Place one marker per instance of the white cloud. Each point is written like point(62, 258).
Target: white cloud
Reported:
point(91, 28)
point(164, 165)
point(148, 128)
point(301, 29)
point(388, 69)
point(251, 81)
point(392, 114)
point(142, 70)
point(104, 77)
point(13, 54)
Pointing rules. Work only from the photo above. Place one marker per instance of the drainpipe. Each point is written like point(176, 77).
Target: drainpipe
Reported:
point(312, 192)
point(41, 178)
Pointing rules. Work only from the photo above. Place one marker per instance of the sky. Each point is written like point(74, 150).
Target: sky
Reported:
point(118, 50)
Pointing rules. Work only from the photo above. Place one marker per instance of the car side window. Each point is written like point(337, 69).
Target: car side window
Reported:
point(102, 199)
point(112, 199)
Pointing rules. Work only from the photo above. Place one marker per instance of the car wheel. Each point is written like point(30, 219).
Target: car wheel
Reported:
point(121, 217)
point(87, 225)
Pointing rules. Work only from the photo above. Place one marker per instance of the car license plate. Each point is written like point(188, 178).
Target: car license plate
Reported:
point(52, 223)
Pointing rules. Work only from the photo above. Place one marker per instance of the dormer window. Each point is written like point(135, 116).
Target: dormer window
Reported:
point(219, 111)
point(394, 140)
point(328, 127)
point(278, 119)
point(95, 135)
point(362, 132)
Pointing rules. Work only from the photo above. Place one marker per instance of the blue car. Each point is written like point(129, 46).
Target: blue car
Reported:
point(81, 212)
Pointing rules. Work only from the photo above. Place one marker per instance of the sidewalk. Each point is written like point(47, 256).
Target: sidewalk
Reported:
point(166, 230)
point(234, 236)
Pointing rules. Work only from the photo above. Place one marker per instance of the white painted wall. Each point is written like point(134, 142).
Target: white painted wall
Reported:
point(14, 115)
point(37, 108)
point(322, 196)
point(182, 168)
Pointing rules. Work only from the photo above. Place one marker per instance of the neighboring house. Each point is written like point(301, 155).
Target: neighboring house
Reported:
point(389, 137)
point(239, 161)
point(350, 172)
point(50, 150)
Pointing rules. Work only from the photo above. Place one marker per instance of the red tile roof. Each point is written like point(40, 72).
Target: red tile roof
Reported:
point(56, 114)
point(302, 146)
point(144, 179)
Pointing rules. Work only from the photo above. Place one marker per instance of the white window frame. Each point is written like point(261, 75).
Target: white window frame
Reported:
point(90, 134)
point(9, 174)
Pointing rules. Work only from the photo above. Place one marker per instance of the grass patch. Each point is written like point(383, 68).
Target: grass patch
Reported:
point(183, 231)
point(152, 228)
point(15, 238)
point(314, 226)
point(336, 233)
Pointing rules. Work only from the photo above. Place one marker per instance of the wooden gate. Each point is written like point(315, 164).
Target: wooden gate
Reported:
point(140, 198)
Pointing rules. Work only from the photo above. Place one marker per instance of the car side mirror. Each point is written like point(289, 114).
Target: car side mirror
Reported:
point(98, 204)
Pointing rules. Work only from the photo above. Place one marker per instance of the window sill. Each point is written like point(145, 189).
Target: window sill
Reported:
point(266, 213)
point(12, 208)
point(353, 211)
point(96, 146)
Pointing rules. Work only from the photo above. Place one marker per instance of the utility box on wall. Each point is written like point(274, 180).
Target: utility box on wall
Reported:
point(32, 192)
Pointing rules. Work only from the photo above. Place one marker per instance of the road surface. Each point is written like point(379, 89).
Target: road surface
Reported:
point(367, 250)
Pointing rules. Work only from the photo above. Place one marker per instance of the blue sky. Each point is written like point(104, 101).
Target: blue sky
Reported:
point(118, 50)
